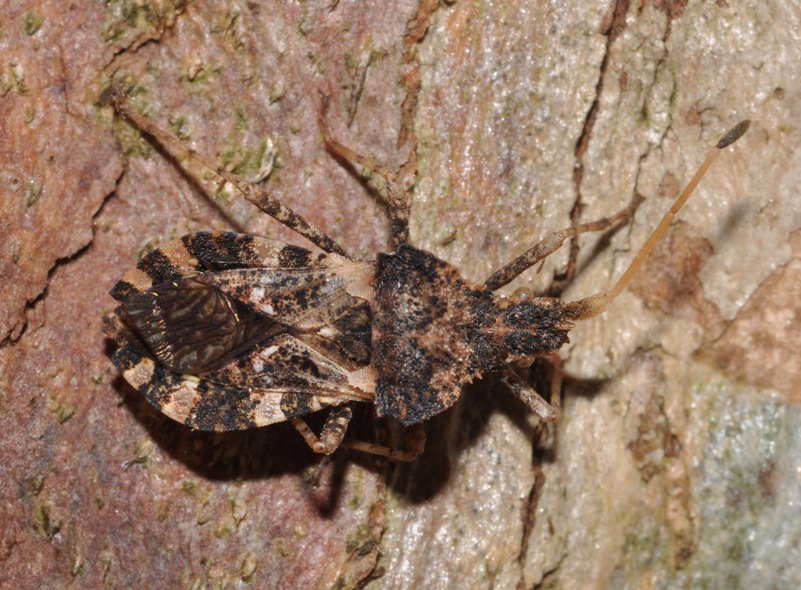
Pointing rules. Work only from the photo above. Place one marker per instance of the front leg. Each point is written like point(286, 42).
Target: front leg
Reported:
point(550, 243)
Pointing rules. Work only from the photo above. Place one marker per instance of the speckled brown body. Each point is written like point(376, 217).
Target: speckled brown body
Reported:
point(227, 332)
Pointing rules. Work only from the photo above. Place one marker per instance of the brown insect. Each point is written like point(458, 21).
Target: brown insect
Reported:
point(224, 331)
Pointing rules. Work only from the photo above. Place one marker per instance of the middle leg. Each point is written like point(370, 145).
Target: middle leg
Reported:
point(414, 444)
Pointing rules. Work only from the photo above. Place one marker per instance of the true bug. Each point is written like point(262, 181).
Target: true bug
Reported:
point(224, 331)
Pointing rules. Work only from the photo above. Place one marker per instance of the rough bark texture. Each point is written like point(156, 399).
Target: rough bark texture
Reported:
point(676, 460)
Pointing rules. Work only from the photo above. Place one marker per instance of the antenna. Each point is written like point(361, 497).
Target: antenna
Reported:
point(591, 306)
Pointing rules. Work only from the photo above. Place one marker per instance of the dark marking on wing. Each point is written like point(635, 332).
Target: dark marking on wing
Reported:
point(222, 408)
point(215, 251)
point(159, 268)
point(123, 290)
point(295, 257)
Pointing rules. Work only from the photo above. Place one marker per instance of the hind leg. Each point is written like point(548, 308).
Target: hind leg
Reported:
point(397, 196)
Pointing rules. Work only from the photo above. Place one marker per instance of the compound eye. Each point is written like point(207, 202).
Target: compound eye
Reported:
point(522, 295)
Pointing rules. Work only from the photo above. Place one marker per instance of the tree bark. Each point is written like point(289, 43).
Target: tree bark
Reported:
point(674, 463)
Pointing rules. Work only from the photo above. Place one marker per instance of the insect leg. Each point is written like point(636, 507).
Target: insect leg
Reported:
point(397, 197)
point(332, 433)
point(257, 195)
point(556, 382)
point(535, 402)
point(415, 442)
point(550, 243)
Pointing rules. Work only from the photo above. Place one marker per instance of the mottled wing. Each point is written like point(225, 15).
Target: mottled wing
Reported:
point(225, 331)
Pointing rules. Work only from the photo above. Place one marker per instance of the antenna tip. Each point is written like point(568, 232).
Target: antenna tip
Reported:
point(733, 134)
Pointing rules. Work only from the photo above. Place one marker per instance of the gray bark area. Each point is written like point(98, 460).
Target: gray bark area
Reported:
point(676, 460)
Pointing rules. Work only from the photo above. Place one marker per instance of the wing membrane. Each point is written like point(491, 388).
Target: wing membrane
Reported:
point(226, 331)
